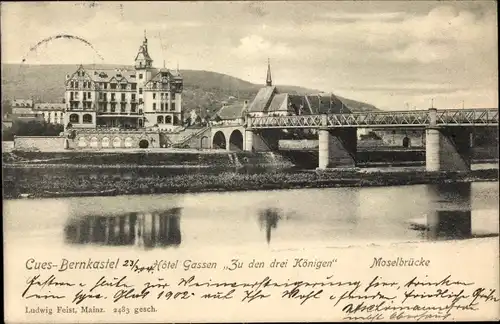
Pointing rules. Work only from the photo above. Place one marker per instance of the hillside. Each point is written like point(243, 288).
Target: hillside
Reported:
point(202, 89)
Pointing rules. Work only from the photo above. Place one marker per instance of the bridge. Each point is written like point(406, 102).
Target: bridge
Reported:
point(448, 133)
point(416, 118)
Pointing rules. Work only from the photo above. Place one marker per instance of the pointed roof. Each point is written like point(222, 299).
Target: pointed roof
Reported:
point(143, 53)
point(269, 80)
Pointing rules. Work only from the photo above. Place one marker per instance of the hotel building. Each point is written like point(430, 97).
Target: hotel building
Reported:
point(138, 98)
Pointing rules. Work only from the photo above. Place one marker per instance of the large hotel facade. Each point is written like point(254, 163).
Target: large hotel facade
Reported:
point(143, 97)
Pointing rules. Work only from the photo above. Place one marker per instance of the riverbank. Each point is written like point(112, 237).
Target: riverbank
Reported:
point(55, 184)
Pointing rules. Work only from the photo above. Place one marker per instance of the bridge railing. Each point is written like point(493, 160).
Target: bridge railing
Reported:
point(416, 117)
point(379, 118)
point(467, 116)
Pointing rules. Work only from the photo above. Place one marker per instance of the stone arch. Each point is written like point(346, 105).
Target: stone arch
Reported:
point(159, 119)
point(82, 141)
point(236, 141)
point(74, 118)
point(143, 143)
point(406, 141)
point(94, 142)
point(219, 140)
point(168, 119)
point(129, 142)
point(105, 142)
point(87, 119)
point(204, 142)
point(117, 142)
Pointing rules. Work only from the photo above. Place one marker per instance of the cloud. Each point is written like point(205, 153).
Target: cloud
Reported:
point(350, 16)
point(422, 52)
point(254, 47)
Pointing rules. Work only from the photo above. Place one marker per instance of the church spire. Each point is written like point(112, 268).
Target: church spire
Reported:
point(269, 80)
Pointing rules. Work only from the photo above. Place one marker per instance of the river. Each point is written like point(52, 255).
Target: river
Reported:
point(279, 219)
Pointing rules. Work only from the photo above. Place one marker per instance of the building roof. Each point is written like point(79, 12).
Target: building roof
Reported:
point(326, 104)
point(279, 103)
point(50, 106)
point(23, 103)
point(262, 100)
point(231, 111)
point(106, 75)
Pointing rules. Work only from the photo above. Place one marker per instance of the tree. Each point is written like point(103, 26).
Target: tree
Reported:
point(35, 128)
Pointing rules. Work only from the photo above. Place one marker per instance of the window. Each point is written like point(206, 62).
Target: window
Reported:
point(133, 107)
point(140, 90)
point(124, 86)
point(123, 97)
point(74, 118)
point(87, 119)
point(134, 86)
point(113, 97)
point(140, 74)
point(122, 107)
point(162, 106)
point(133, 96)
point(154, 95)
point(154, 105)
point(89, 95)
point(172, 106)
point(168, 120)
point(113, 107)
point(159, 119)
point(113, 85)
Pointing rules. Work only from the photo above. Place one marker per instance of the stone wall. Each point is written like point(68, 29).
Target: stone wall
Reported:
point(93, 139)
point(40, 143)
point(394, 137)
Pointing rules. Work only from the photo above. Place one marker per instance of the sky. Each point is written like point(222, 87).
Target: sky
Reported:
point(392, 54)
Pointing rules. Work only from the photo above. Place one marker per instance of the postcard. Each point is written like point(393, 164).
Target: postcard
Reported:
point(250, 161)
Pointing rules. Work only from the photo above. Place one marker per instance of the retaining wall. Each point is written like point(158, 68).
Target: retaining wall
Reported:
point(40, 143)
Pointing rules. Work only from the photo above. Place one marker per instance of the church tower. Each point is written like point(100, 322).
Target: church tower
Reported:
point(269, 80)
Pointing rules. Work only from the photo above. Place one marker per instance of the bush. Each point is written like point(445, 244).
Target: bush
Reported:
point(35, 128)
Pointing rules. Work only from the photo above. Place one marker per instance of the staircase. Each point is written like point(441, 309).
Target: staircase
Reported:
point(183, 141)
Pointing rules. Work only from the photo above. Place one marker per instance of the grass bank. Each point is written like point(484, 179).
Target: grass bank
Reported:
point(54, 183)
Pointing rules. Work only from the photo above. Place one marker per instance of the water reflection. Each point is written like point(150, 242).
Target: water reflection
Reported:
point(279, 218)
point(268, 219)
point(148, 230)
point(449, 215)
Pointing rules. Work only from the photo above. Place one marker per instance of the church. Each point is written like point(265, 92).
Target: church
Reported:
point(143, 97)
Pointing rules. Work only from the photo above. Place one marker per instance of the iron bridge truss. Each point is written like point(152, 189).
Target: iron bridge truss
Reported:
point(445, 117)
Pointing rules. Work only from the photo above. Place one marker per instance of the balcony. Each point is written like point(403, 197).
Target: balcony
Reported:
point(119, 114)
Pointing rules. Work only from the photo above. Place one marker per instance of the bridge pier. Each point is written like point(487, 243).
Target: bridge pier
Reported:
point(447, 148)
point(337, 148)
point(248, 144)
point(261, 141)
